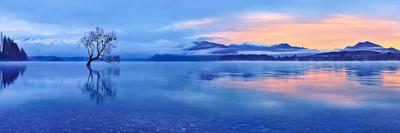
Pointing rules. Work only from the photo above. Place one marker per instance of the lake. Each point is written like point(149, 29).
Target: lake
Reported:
point(200, 97)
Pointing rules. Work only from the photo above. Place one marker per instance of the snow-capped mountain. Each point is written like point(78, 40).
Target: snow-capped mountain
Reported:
point(211, 48)
point(369, 46)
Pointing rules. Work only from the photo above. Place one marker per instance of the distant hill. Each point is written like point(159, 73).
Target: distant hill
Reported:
point(212, 48)
point(362, 45)
point(209, 51)
point(328, 56)
point(205, 45)
point(369, 46)
point(207, 48)
point(353, 56)
point(10, 50)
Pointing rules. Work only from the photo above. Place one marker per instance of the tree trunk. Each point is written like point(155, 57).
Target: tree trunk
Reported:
point(89, 62)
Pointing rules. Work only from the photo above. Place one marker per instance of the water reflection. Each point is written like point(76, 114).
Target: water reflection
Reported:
point(205, 96)
point(321, 86)
point(10, 72)
point(363, 73)
point(337, 83)
point(368, 73)
point(100, 85)
point(392, 80)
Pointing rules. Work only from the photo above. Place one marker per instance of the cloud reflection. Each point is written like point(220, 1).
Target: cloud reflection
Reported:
point(349, 84)
point(392, 80)
point(325, 86)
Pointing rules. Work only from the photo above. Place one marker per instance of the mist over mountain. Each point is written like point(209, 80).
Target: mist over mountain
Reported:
point(212, 48)
point(210, 51)
point(365, 44)
point(370, 46)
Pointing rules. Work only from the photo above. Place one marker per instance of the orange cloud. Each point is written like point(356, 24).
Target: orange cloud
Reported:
point(333, 32)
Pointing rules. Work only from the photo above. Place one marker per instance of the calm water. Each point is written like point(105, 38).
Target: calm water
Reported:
point(201, 97)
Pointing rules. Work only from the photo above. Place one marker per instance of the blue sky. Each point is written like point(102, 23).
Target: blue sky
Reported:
point(52, 27)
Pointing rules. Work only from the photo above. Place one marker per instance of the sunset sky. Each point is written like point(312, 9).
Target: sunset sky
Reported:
point(48, 27)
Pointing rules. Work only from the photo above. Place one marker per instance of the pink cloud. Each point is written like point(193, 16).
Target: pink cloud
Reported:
point(192, 24)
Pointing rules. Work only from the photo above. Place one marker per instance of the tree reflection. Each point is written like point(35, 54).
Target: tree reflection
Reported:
point(99, 85)
point(9, 73)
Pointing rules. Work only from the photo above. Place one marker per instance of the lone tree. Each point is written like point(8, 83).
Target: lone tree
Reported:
point(99, 45)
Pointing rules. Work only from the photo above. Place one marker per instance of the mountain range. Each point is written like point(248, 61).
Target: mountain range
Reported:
point(211, 48)
point(211, 51)
point(369, 46)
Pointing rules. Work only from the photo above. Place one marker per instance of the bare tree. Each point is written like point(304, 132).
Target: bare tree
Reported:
point(99, 45)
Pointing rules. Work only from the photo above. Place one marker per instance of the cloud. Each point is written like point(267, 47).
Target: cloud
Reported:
point(42, 38)
point(50, 41)
point(12, 25)
point(191, 24)
point(30, 32)
point(264, 17)
point(324, 33)
point(19, 27)
point(327, 33)
point(211, 39)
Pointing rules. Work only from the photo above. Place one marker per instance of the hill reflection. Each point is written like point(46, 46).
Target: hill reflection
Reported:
point(338, 83)
point(359, 72)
